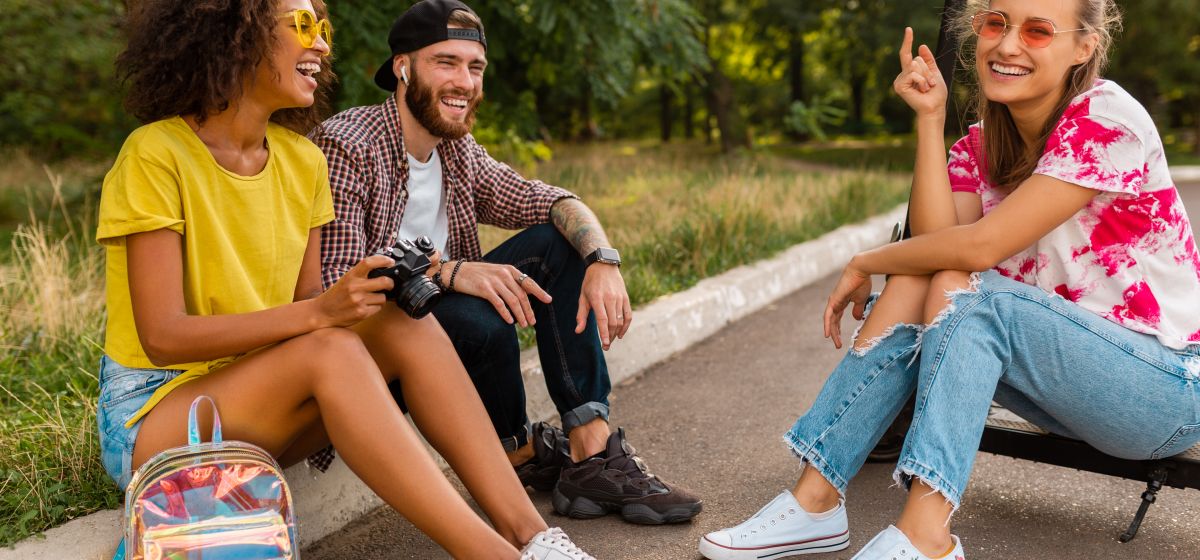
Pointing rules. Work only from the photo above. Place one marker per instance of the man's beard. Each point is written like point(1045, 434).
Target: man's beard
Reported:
point(423, 104)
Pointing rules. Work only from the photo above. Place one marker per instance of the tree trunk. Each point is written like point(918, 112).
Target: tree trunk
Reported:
point(666, 98)
point(588, 129)
point(858, 86)
point(689, 111)
point(796, 78)
point(796, 67)
point(722, 105)
point(1196, 133)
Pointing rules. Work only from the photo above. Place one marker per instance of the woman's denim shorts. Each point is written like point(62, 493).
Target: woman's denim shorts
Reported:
point(123, 391)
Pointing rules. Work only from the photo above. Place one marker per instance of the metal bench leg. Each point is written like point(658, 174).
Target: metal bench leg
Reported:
point(1157, 478)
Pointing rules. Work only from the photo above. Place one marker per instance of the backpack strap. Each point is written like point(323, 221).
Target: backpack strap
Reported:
point(194, 427)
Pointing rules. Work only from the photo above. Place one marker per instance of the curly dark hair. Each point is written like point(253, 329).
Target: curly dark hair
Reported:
point(189, 58)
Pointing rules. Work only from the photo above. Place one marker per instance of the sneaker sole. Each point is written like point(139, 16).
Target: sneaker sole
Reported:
point(641, 514)
point(714, 551)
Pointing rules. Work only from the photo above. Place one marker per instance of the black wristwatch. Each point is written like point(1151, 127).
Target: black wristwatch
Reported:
point(606, 255)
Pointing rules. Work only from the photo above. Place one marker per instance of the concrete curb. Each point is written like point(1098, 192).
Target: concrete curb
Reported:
point(669, 324)
point(1185, 173)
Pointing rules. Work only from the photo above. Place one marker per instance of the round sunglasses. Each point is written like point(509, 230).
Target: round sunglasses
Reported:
point(308, 28)
point(1036, 33)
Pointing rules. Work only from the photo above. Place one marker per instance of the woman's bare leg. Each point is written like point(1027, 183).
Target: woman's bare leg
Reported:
point(446, 407)
point(902, 301)
point(273, 397)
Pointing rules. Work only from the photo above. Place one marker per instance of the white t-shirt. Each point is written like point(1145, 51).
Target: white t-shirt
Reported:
point(1128, 256)
point(425, 211)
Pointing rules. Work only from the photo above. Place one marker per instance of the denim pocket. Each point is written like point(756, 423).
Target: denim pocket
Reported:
point(128, 384)
point(1183, 439)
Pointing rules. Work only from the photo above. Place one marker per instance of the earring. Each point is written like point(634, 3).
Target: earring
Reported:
point(404, 74)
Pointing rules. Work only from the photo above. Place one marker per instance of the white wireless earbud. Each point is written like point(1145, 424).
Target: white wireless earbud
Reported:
point(404, 74)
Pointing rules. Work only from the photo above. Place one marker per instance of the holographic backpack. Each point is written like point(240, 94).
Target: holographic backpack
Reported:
point(221, 500)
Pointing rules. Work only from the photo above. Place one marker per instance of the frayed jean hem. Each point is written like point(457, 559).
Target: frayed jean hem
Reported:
point(908, 468)
point(809, 456)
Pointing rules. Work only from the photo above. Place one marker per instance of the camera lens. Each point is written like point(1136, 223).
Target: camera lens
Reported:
point(417, 296)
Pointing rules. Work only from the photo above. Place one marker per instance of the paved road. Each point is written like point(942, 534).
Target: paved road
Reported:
point(711, 419)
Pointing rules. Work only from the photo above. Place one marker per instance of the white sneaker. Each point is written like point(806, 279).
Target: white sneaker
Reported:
point(892, 544)
point(553, 544)
point(780, 529)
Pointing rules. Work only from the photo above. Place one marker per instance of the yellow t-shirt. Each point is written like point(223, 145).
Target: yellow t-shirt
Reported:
point(244, 237)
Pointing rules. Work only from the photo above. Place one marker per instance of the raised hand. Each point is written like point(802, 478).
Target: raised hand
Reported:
point(507, 288)
point(920, 83)
point(354, 297)
point(853, 286)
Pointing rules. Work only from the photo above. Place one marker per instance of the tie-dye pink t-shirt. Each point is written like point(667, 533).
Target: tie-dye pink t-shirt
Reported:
point(1129, 255)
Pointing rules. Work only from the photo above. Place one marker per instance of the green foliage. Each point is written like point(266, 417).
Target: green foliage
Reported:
point(811, 119)
point(506, 145)
point(1157, 59)
point(360, 30)
point(57, 89)
point(547, 61)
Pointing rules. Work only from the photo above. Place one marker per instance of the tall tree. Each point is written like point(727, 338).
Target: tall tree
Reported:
point(719, 94)
point(1157, 59)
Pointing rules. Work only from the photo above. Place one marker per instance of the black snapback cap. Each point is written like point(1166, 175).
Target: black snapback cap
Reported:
point(422, 25)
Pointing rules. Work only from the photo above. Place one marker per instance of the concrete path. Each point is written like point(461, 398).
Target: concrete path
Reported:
point(712, 417)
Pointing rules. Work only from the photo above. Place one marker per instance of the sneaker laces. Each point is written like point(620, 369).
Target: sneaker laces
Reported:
point(555, 539)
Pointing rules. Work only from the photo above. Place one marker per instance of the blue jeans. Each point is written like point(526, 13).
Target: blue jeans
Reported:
point(123, 391)
point(573, 364)
point(1065, 369)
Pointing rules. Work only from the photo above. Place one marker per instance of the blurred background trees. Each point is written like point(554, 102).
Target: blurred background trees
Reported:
point(734, 72)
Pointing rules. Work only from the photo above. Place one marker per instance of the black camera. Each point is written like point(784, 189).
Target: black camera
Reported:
point(411, 290)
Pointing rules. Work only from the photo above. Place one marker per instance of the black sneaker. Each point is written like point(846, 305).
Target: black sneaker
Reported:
point(617, 480)
point(551, 453)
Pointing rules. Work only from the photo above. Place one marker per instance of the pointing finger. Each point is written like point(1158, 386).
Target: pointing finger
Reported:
point(906, 48)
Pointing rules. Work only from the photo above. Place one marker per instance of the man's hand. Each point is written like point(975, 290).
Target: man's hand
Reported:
point(507, 288)
point(435, 264)
point(604, 293)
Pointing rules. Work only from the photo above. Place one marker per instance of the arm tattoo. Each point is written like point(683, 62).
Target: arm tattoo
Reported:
point(579, 225)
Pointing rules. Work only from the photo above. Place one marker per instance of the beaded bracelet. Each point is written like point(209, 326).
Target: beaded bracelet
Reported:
point(437, 277)
point(453, 275)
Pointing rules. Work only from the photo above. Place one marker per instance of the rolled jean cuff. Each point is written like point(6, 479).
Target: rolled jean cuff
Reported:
point(583, 414)
point(515, 442)
point(808, 454)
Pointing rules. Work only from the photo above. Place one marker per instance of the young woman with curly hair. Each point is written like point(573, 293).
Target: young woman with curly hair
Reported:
point(1052, 268)
point(211, 219)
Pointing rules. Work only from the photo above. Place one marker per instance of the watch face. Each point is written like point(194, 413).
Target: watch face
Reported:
point(605, 254)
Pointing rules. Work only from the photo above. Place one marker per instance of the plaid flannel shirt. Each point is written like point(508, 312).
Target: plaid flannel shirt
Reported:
point(368, 172)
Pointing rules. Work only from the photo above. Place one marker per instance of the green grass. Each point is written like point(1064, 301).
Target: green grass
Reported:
point(880, 154)
point(51, 315)
point(678, 214)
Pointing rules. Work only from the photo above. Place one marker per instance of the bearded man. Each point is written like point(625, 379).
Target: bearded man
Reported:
point(409, 167)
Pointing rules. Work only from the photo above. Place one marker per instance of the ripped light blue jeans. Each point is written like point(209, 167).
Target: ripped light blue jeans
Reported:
point(1053, 363)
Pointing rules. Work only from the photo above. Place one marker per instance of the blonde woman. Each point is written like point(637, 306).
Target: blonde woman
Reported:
point(1052, 268)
